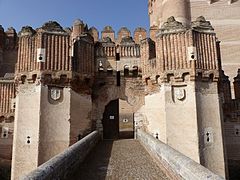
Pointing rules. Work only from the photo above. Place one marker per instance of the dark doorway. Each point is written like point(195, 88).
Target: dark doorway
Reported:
point(111, 120)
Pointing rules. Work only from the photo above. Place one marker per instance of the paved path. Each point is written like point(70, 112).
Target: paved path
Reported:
point(118, 160)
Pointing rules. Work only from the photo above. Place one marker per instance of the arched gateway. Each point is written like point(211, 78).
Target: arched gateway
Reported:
point(114, 106)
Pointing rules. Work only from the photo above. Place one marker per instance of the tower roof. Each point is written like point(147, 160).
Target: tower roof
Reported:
point(78, 22)
point(52, 26)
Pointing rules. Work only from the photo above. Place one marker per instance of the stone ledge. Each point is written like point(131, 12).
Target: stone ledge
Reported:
point(178, 165)
point(65, 163)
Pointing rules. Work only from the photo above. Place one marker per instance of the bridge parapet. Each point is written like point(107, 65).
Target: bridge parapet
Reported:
point(65, 163)
point(175, 164)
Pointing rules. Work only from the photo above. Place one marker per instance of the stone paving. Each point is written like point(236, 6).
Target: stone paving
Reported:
point(117, 160)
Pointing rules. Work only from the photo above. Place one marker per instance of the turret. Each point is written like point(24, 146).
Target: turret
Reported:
point(189, 78)
point(78, 28)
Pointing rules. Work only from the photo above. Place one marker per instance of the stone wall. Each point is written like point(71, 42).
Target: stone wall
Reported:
point(49, 119)
point(176, 165)
point(54, 130)
point(60, 166)
point(232, 135)
point(26, 130)
point(7, 95)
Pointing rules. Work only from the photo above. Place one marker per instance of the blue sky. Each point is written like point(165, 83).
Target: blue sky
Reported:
point(98, 13)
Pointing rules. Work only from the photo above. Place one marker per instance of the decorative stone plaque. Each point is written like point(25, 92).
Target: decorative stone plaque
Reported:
point(180, 94)
point(55, 94)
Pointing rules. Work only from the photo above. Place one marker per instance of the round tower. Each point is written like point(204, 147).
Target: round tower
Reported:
point(180, 9)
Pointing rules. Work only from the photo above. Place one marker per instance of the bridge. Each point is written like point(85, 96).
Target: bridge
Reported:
point(142, 158)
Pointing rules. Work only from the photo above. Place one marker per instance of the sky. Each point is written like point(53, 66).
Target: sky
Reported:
point(97, 13)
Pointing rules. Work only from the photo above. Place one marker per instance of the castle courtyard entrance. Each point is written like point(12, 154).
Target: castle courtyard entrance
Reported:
point(118, 121)
point(111, 120)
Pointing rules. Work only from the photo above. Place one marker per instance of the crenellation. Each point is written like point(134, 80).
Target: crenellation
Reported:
point(49, 42)
point(139, 34)
point(78, 28)
point(94, 33)
point(123, 33)
point(64, 79)
point(108, 32)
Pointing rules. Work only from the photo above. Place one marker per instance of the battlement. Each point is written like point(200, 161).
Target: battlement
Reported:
point(182, 51)
point(8, 39)
point(108, 32)
point(50, 51)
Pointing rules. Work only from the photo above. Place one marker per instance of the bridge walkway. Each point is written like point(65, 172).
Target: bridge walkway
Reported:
point(119, 159)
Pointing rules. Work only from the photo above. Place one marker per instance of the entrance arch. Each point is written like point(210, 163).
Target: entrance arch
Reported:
point(110, 120)
point(131, 92)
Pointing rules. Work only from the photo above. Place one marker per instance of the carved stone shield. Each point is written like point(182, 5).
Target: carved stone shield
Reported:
point(55, 94)
point(180, 94)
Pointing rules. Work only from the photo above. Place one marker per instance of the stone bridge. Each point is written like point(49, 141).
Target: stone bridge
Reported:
point(144, 157)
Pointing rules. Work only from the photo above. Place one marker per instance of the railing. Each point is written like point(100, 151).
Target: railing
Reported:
point(176, 165)
point(60, 166)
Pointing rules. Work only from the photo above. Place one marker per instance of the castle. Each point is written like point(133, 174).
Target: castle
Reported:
point(57, 85)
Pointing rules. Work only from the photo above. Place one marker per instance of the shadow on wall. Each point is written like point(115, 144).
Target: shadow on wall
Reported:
point(234, 170)
point(95, 166)
point(5, 169)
